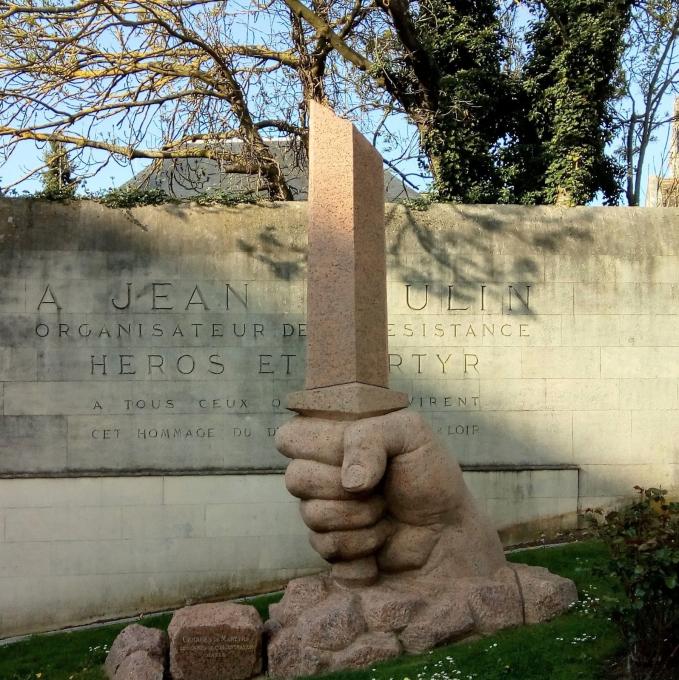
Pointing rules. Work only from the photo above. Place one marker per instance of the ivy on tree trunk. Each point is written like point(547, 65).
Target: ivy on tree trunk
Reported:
point(533, 135)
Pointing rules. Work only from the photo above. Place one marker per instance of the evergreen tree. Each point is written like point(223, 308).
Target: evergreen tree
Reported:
point(58, 181)
point(465, 39)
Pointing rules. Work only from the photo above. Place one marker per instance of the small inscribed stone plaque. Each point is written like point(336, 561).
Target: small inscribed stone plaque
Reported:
point(220, 641)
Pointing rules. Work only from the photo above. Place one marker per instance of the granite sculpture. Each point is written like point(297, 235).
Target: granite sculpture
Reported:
point(414, 562)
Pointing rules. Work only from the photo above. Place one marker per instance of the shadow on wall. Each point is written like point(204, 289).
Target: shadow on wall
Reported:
point(286, 262)
point(466, 246)
point(466, 258)
point(463, 258)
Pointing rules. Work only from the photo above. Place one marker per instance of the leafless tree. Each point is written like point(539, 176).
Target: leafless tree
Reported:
point(649, 74)
point(177, 79)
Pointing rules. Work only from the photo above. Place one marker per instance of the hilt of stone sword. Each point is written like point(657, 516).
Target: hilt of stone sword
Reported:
point(355, 573)
point(361, 571)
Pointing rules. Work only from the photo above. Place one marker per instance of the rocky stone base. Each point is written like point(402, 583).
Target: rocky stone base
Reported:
point(138, 653)
point(218, 641)
point(319, 626)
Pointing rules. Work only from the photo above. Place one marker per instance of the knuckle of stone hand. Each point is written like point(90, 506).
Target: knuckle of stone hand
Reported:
point(286, 438)
point(294, 483)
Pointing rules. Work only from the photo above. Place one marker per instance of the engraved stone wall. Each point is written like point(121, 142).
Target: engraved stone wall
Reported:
point(159, 343)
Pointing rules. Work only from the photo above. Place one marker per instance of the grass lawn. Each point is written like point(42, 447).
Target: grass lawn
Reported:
point(575, 645)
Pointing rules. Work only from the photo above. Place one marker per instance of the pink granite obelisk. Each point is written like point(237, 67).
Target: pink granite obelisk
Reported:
point(347, 373)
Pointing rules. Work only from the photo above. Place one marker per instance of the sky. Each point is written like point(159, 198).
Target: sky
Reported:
point(29, 156)
point(114, 174)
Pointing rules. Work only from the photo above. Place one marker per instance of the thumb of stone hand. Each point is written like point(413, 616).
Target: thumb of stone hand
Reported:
point(365, 456)
point(332, 460)
point(421, 484)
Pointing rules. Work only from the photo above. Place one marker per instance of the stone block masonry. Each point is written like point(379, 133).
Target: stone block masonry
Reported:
point(143, 362)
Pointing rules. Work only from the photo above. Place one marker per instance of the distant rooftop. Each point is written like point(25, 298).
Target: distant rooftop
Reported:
point(188, 177)
point(663, 192)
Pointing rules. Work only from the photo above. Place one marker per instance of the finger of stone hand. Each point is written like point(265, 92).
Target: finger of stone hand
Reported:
point(405, 431)
point(408, 547)
point(321, 515)
point(350, 545)
point(312, 439)
point(365, 458)
point(309, 479)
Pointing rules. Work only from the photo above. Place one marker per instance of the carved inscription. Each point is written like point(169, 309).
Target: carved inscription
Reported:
point(160, 374)
point(215, 646)
point(476, 300)
point(441, 362)
point(456, 430)
point(457, 330)
point(163, 297)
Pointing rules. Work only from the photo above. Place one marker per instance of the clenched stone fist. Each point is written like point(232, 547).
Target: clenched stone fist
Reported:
point(384, 486)
point(382, 492)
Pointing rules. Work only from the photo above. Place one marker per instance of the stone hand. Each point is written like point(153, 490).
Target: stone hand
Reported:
point(385, 486)
point(382, 492)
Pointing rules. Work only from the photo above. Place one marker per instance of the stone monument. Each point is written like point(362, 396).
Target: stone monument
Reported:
point(414, 562)
point(213, 641)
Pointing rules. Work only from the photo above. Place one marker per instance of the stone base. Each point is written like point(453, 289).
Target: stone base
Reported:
point(319, 626)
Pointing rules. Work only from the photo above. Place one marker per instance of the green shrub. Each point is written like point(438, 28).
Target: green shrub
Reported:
point(420, 203)
point(643, 540)
point(224, 197)
point(131, 197)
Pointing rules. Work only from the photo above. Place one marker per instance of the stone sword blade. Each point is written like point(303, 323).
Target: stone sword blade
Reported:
point(347, 374)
